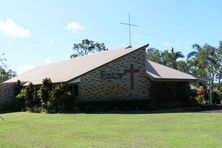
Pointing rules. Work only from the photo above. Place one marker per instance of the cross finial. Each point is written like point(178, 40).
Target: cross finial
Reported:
point(129, 24)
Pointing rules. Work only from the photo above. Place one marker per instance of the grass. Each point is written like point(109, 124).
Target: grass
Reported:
point(111, 130)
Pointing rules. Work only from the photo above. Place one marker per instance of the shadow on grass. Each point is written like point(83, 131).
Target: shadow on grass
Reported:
point(196, 109)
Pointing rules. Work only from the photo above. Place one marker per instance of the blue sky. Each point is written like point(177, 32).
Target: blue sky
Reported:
point(33, 33)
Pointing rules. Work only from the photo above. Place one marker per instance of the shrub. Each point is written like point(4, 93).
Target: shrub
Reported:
point(200, 99)
point(44, 92)
point(217, 91)
point(49, 98)
point(26, 97)
point(18, 87)
point(21, 99)
point(56, 99)
point(29, 96)
point(61, 98)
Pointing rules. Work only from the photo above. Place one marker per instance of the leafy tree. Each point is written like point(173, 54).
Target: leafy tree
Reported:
point(29, 99)
point(171, 57)
point(204, 61)
point(44, 92)
point(87, 46)
point(219, 59)
point(57, 97)
point(20, 102)
point(154, 54)
point(21, 98)
point(26, 97)
point(192, 62)
point(182, 66)
point(5, 73)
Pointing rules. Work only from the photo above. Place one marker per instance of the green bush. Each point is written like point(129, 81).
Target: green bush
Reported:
point(20, 102)
point(57, 97)
point(217, 90)
point(44, 92)
point(26, 97)
point(29, 96)
point(49, 98)
point(61, 98)
point(21, 99)
point(200, 99)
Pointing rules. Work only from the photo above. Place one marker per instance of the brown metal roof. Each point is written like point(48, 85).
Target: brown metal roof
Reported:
point(161, 72)
point(67, 70)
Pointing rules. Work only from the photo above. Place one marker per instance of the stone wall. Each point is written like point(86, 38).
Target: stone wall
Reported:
point(7, 95)
point(113, 81)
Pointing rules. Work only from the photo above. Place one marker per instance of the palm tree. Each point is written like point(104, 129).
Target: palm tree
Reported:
point(170, 58)
point(193, 60)
point(203, 62)
point(182, 66)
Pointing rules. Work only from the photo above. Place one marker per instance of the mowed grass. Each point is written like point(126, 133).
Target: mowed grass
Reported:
point(111, 130)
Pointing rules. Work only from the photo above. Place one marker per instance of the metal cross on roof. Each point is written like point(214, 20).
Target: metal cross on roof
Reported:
point(129, 24)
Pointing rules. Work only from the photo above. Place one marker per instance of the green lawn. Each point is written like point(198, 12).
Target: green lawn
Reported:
point(111, 130)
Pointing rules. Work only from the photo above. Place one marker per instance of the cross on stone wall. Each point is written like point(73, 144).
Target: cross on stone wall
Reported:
point(132, 71)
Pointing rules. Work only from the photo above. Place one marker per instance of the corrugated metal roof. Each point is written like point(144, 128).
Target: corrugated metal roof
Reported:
point(161, 72)
point(67, 70)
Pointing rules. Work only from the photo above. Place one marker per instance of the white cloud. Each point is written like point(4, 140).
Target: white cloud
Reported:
point(74, 26)
point(48, 60)
point(23, 68)
point(10, 28)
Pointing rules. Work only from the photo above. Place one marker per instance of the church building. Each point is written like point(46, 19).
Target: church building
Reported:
point(117, 74)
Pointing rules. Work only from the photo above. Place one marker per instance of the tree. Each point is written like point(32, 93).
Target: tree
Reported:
point(86, 47)
point(182, 65)
point(204, 61)
point(25, 98)
point(170, 58)
point(219, 59)
point(5, 73)
point(154, 54)
point(29, 99)
point(44, 92)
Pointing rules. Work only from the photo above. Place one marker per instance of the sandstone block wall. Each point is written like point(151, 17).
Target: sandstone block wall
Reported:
point(7, 94)
point(113, 82)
